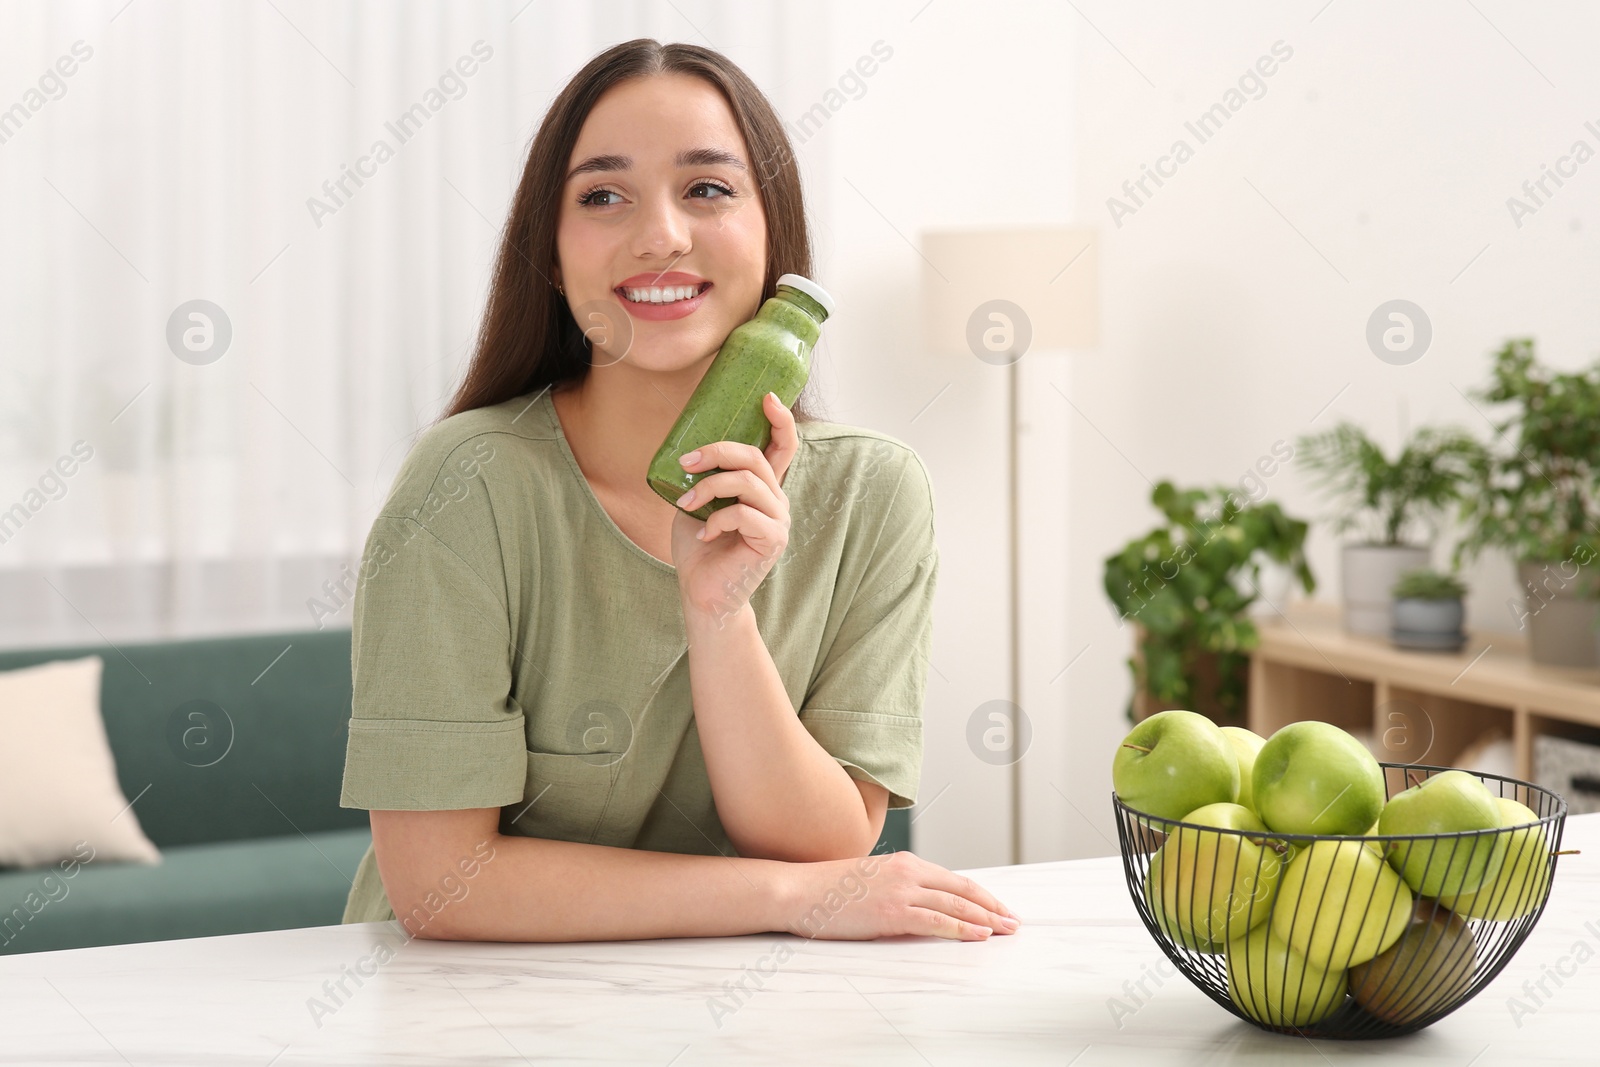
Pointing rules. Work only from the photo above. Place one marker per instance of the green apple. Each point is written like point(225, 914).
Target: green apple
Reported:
point(1339, 904)
point(1427, 969)
point(1453, 802)
point(1245, 746)
point(1519, 883)
point(1174, 762)
point(1215, 886)
point(1273, 984)
point(1152, 899)
point(1313, 778)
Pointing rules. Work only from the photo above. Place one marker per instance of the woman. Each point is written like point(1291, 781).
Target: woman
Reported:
point(574, 717)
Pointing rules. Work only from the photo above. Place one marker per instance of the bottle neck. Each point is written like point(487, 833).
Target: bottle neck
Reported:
point(798, 313)
point(804, 303)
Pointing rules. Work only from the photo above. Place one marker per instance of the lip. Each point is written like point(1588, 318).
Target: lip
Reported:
point(662, 312)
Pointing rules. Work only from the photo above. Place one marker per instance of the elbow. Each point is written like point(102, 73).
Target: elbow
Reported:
point(429, 861)
point(445, 911)
point(434, 923)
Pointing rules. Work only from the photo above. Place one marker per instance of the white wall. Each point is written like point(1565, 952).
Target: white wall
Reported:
point(1390, 140)
point(966, 125)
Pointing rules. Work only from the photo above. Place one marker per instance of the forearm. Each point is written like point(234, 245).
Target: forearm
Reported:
point(779, 794)
point(542, 890)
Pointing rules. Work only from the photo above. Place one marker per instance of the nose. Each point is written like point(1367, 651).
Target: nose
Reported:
point(662, 230)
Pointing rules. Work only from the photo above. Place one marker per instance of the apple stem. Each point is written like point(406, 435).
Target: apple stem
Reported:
point(1411, 776)
point(1267, 842)
point(1568, 852)
point(1137, 748)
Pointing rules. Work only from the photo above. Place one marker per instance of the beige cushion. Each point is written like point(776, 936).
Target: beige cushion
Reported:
point(58, 781)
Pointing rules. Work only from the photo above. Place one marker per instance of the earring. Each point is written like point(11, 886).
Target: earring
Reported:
point(560, 290)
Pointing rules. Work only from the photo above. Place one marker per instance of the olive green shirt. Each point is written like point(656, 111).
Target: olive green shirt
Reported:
point(513, 648)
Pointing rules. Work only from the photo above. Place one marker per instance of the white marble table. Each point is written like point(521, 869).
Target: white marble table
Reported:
point(1061, 991)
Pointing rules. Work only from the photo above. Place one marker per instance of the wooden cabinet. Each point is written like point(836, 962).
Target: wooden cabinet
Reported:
point(1423, 707)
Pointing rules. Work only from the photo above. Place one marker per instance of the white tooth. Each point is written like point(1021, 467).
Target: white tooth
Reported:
point(659, 295)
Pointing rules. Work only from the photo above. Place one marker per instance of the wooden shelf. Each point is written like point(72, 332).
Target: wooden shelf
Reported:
point(1423, 707)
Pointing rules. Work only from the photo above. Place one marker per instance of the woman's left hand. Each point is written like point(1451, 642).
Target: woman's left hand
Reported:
point(717, 575)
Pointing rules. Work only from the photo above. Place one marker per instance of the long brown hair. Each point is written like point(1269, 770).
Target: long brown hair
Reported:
point(528, 338)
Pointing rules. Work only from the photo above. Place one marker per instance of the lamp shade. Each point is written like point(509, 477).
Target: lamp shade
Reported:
point(1050, 273)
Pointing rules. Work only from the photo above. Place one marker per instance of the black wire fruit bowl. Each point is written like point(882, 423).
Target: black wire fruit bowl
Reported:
point(1318, 935)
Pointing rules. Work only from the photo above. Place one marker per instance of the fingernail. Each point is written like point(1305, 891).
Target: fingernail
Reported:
point(1009, 924)
point(986, 930)
point(689, 458)
point(686, 499)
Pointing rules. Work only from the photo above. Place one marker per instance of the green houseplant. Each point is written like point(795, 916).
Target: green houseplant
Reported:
point(1428, 611)
point(1424, 583)
point(1391, 502)
point(1188, 584)
point(1537, 496)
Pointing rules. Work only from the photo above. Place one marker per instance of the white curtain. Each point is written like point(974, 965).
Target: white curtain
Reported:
point(183, 159)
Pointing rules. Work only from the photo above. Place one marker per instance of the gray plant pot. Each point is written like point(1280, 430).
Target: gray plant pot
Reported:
point(1434, 617)
point(1560, 613)
point(1428, 625)
point(1367, 576)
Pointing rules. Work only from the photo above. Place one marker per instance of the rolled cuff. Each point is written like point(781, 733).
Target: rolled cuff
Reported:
point(883, 749)
point(425, 765)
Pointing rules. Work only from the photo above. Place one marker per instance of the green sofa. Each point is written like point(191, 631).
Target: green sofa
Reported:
point(253, 840)
point(245, 811)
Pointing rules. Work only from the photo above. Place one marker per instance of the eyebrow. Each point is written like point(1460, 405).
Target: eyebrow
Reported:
point(691, 157)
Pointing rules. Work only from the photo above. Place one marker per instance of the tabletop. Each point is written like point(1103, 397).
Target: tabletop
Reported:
point(1081, 984)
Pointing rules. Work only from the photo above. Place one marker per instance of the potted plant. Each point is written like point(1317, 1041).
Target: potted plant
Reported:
point(1392, 502)
point(1188, 585)
point(1427, 611)
point(1536, 497)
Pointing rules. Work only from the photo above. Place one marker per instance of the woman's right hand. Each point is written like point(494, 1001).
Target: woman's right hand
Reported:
point(882, 895)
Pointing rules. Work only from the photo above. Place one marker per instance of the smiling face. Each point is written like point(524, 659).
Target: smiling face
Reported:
point(661, 195)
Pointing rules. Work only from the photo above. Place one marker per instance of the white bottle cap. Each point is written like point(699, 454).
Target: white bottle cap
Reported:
point(810, 288)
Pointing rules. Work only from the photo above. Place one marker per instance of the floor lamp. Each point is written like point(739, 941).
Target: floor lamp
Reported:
point(993, 296)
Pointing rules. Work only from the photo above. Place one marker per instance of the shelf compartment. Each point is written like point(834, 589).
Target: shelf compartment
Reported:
point(1416, 726)
point(1281, 693)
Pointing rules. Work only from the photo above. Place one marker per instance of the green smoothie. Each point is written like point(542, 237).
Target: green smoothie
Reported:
point(769, 354)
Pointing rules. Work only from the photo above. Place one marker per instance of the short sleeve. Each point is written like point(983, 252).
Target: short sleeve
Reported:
point(865, 704)
point(433, 721)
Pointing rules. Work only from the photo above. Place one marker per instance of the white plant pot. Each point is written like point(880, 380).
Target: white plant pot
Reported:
point(1367, 576)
